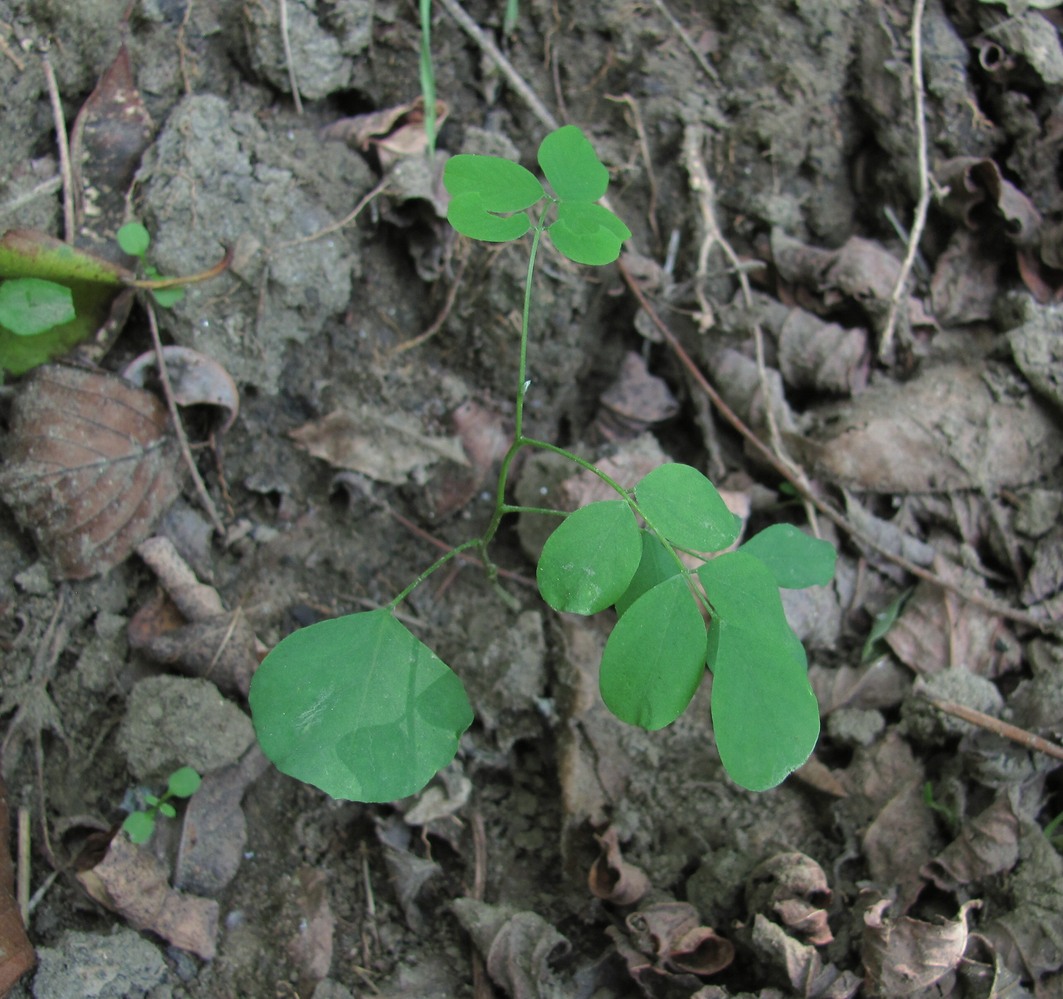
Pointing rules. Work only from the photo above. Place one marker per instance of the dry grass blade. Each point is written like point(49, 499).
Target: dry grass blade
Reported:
point(91, 466)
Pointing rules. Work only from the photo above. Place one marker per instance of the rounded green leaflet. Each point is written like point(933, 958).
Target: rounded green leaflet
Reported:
point(572, 166)
point(588, 561)
point(30, 306)
point(764, 713)
point(588, 233)
point(183, 782)
point(485, 191)
point(358, 707)
point(133, 238)
point(139, 826)
point(655, 657)
point(685, 507)
point(795, 559)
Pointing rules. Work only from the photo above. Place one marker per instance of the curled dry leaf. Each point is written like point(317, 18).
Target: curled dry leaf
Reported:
point(799, 964)
point(814, 354)
point(196, 380)
point(792, 889)
point(91, 467)
point(612, 878)
point(903, 956)
point(634, 402)
point(982, 199)
point(396, 131)
point(518, 947)
point(671, 932)
point(130, 881)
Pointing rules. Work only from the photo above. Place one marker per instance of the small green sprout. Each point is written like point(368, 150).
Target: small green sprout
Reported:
point(140, 825)
point(134, 239)
point(361, 708)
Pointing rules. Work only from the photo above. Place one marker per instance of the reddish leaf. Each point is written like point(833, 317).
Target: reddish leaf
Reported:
point(91, 466)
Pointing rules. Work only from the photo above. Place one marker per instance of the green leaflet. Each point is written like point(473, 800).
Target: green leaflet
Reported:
point(358, 707)
point(764, 712)
point(685, 507)
point(589, 560)
point(655, 657)
point(795, 559)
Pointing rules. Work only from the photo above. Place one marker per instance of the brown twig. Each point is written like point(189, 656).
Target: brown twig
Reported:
point(706, 67)
point(437, 323)
point(481, 987)
point(346, 220)
point(919, 222)
point(179, 429)
point(997, 727)
point(647, 159)
point(63, 144)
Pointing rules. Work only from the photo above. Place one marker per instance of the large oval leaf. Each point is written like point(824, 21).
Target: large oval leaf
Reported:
point(655, 657)
point(588, 562)
point(358, 707)
point(764, 712)
point(588, 233)
point(685, 507)
point(572, 166)
point(484, 191)
point(795, 559)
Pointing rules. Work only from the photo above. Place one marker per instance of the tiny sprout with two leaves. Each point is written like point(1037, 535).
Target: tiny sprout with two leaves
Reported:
point(361, 708)
point(140, 825)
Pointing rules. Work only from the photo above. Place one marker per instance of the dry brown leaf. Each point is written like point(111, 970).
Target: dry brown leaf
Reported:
point(311, 947)
point(903, 956)
point(612, 878)
point(388, 447)
point(195, 379)
point(16, 952)
point(880, 683)
point(987, 844)
point(965, 285)
point(800, 964)
point(634, 402)
point(671, 932)
point(900, 841)
point(814, 354)
point(91, 467)
point(791, 889)
point(130, 881)
point(518, 947)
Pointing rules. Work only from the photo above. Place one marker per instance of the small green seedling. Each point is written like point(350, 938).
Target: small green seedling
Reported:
point(140, 825)
point(361, 708)
point(134, 239)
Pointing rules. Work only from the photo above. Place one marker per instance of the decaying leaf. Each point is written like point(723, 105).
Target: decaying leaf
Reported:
point(903, 956)
point(311, 946)
point(91, 466)
point(517, 946)
point(388, 447)
point(634, 402)
point(987, 844)
point(612, 878)
point(799, 964)
point(195, 379)
point(16, 952)
point(672, 935)
point(791, 889)
point(395, 132)
point(814, 354)
point(130, 881)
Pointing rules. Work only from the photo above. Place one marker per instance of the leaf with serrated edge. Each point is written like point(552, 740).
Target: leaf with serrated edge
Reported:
point(359, 707)
point(588, 561)
point(764, 713)
point(685, 507)
point(655, 657)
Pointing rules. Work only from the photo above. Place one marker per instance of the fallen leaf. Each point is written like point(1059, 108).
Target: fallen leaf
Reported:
point(799, 964)
point(987, 844)
point(671, 933)
point(900, 841)
point(388, 447)
point(91, 467)
point(903, 956)
point(195, 379)
point(613, 879)
point(130, 881)
point(634, 402)
point(311, 947)
point(16, 952)
point(791, 889)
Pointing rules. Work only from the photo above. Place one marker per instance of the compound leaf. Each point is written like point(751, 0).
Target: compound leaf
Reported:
point(764, 713)
point(655, 657)
point(588, 233)
point(588, 561)
point(655, 567)
point(572, 166)
point(685, 507)
point(29, 306)
point(795, 559)
point(484, 192)
point(359, 707)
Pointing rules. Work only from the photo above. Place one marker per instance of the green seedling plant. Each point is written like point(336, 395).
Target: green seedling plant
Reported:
point(359, 707)
point(139, 825)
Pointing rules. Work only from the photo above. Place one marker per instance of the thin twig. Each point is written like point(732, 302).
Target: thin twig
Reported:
point(49, 186)
point(179, 429)
point(437, 323)
point(919, 222)
point(11, 54)
point(182, 49)
point(288, 60)
point(486, 43)
point(481, 987)
point(346, 220)
point(647, 159)
point(997, 727)
point(63, 143)
point(706, 66)
point(22, 880)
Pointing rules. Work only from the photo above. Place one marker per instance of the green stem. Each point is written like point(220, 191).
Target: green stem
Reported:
point(437, 564)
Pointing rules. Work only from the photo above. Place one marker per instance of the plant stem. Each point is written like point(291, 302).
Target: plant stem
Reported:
point(437, 564)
